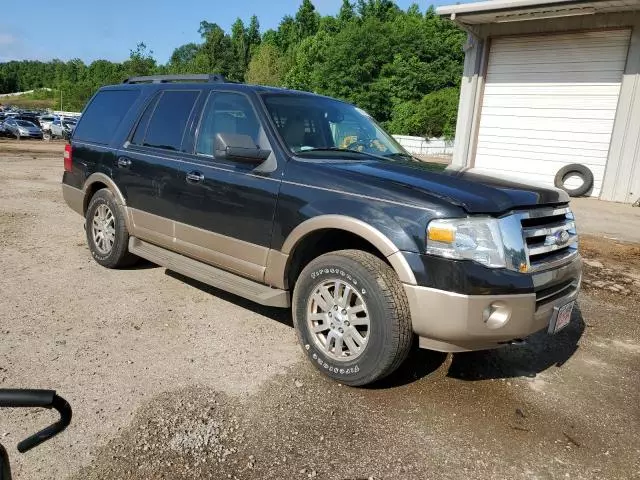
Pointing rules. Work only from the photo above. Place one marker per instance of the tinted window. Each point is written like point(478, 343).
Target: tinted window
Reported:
point(226, 113)
point(141, 129)
point(308, 122)
point(103, 115)
point(169, 119)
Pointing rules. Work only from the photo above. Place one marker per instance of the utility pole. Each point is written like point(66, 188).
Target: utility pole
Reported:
point(61, 100)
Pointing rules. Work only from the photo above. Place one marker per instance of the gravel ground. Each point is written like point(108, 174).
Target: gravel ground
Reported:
point(172, 379)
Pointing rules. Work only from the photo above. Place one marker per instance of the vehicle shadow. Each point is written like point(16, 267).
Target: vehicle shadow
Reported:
point(541, 352)
point(420, 363)
point(280, 315)
point(141, 264)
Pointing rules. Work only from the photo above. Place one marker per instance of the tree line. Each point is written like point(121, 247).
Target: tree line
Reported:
point(403, 67)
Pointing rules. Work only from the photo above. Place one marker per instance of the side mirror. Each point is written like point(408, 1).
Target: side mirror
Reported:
point(239, 148)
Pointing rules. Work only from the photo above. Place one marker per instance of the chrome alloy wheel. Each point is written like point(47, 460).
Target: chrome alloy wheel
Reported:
point(338, 320)
point(103, 229)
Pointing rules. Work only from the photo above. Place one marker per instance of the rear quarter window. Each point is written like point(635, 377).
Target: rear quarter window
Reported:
point(102, 117)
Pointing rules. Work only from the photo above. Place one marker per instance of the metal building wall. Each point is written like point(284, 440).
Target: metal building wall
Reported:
point(622, 175)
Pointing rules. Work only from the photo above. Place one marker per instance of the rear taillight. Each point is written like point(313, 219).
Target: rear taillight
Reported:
point(68, 158)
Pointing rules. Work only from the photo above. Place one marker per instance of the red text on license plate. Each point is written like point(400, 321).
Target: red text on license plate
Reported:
point(563, 317)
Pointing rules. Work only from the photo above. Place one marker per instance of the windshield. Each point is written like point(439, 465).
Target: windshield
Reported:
point(24, 123)
point(310, 124)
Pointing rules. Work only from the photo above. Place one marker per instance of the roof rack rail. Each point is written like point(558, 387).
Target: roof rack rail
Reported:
point(206, 77)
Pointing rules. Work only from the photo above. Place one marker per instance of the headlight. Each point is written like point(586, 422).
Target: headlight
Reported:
point(477, 239)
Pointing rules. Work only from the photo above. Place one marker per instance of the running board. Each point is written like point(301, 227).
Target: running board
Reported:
point(229, 282)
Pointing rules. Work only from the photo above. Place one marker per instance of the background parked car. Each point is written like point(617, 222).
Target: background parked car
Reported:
point(45, 121)
point(29, 117)
point(62, 127)
point(22, 128)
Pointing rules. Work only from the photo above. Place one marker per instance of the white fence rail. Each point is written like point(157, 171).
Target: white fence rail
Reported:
point(425, 146)
point(17, 94)
point(66, 114)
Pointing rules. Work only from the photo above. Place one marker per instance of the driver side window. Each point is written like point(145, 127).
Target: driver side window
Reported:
point(227, 112)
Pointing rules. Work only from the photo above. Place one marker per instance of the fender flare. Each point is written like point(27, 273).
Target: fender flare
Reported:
point(352, 225)
point(113, 188)
point(108, 181)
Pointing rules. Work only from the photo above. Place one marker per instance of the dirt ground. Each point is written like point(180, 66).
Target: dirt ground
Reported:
point(171, 379)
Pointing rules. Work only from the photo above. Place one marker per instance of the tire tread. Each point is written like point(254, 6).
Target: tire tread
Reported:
point(396, 301)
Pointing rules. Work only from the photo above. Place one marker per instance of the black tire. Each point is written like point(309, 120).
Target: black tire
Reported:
point(118, 255)
point(390, 334)
point(574, 170)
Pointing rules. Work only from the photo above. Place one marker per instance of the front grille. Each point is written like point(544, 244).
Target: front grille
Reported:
point(550, 237)
point(549, 294)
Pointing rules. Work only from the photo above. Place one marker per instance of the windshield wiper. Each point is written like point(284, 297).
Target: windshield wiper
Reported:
point(333, 149)
point(400, 154)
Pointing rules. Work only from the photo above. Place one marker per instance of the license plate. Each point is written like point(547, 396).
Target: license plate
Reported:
point(561, 317)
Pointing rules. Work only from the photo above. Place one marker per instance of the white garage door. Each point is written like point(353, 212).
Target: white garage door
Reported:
point(550, 100)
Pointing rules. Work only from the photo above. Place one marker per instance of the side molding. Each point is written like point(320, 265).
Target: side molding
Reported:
point(277, 262)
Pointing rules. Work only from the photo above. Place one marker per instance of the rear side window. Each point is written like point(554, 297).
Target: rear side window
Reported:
point(169, 120)
point(141, 128)
point(103, 115)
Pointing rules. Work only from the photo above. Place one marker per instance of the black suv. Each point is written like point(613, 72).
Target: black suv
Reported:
point(293, 199)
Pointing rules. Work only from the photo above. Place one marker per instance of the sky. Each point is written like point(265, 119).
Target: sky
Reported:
point(92, 30)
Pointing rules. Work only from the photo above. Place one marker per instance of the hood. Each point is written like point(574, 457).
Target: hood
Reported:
point(474, 192)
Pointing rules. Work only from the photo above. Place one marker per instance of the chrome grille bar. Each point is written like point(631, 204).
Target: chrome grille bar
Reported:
point(552, 248)
point(545, 245)
point(538, 231)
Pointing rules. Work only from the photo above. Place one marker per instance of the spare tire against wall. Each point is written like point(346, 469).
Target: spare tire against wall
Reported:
point(574, 170)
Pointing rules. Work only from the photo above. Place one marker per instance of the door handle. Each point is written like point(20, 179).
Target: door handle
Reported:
point(194, 177)
point(124, 162)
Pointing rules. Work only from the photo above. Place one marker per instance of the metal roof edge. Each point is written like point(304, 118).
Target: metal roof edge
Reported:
point(490, 6)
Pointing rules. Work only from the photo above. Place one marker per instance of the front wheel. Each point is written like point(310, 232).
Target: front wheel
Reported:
point(106, 231)
point(352, 317)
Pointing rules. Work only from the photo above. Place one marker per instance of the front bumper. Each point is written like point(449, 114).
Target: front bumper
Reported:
point(454, 322)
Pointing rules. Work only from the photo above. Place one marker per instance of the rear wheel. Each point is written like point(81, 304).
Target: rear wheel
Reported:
point(352, 317)
point(106, 231)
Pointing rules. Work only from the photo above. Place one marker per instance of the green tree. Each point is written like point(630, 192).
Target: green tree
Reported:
point(347, 12)
point(253, 33)
point(403, 67)
point(216, 54)
point(183, 57)
point(433, 116)
point(240, 47)
point(381, 9)
point(141, 62)
point(307, 20)
point(266, 66)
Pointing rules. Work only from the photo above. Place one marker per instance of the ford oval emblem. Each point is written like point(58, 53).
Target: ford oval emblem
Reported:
point(562, 237)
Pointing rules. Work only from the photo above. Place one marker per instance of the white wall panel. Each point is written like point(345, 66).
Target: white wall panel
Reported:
point(550, 100)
